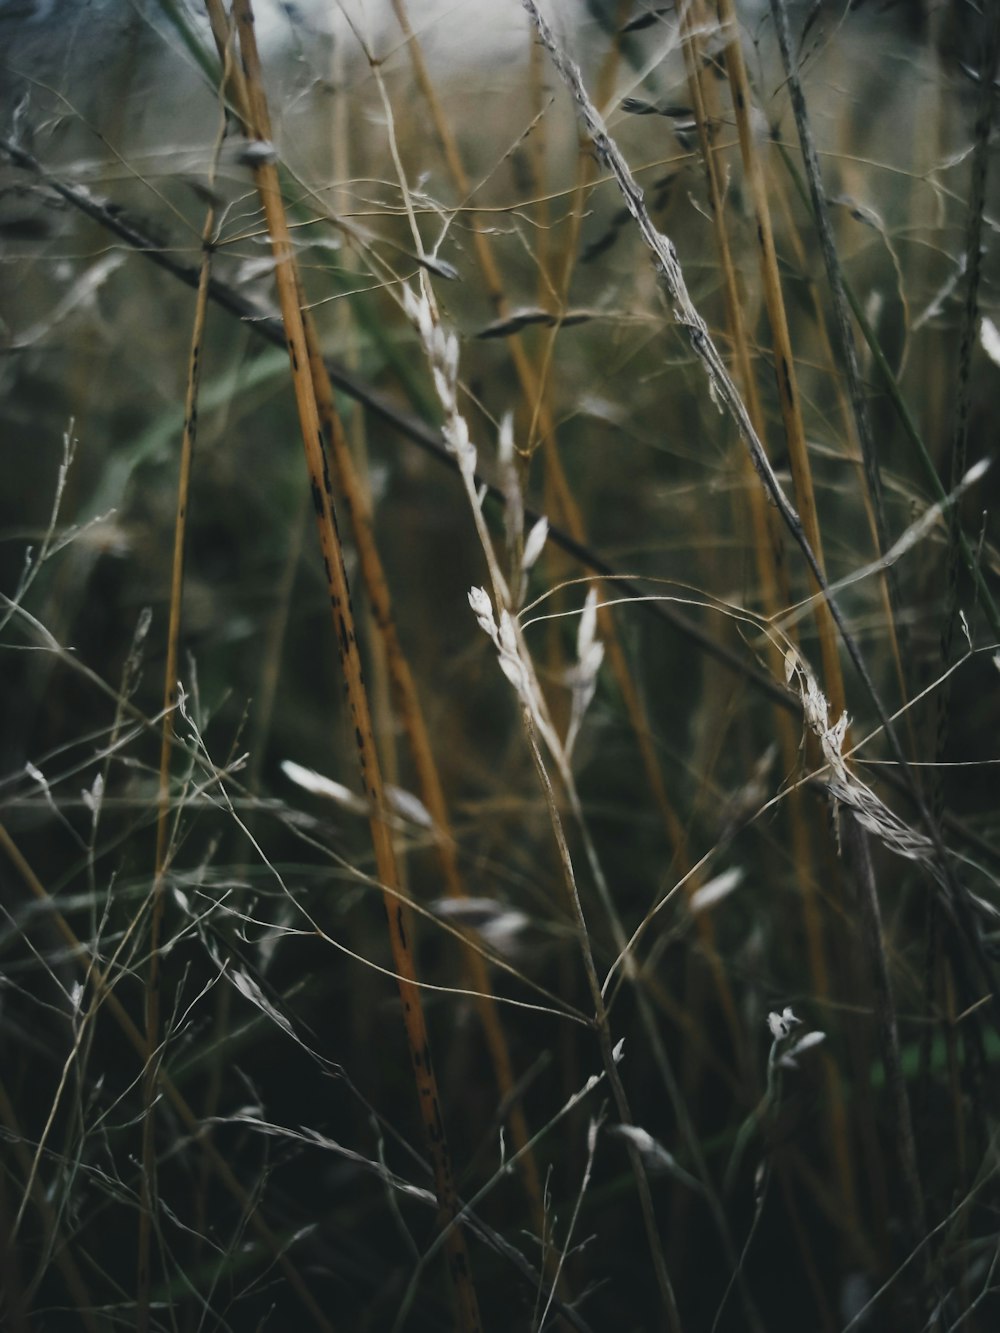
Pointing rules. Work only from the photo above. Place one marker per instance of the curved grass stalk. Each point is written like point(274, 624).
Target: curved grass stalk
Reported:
point(771, 570)
point(534, 387)
point(724, 390)
point(411, 714)
point(664, 1284)
point(568, 1313)
point(442, 352)
point(767, 543)
point(857, 418)
point(357, 701)
point(788, 394)
point(774, 584)
point(147, 1201)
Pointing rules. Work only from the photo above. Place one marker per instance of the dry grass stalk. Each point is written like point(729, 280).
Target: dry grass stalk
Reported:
point(442, 351)
point(535, 395)
point(566, 507)
point(357, 702)
point(726, 394)
point(666, 1289)
point(771, 571)
point(768, 551)
point(535, 390)
point(147, 1202)
point(784, 361)
point(857, 840)
point(410, 711)
point(411, 716)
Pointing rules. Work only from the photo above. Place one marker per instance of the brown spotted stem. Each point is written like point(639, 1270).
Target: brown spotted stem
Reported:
point(321, 488)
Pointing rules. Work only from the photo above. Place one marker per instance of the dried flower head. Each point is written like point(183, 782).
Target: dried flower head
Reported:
point(782, 1024)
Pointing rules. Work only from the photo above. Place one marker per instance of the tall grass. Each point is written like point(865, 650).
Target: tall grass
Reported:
point(644, 770)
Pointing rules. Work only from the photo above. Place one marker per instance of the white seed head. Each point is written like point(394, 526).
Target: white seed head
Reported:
point(411, 306)
point(508, 634)
point(505, 440)
point(456, 435)
point(782, 1024)
point(92, 798)
point(482, 607)
point(408, 806)
point(590, 662)
point(535, 542)
point(714, 890)
point(510, 656)
point(592, 1137)
point(445, 390)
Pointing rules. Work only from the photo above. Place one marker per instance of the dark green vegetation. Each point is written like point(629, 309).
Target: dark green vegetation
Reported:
point(704, 907)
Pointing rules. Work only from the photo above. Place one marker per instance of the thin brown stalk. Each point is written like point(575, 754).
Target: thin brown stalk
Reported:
point(770, 568)
point(784, 361)
point(768, 544)
point(411, 714)
point(852, 447)
point(147, 1199)
point(858, 437)
point(537, 153)
point(269, 189)
point(562, 503)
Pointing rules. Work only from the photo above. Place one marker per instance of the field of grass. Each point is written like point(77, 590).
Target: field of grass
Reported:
point(499, 649)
